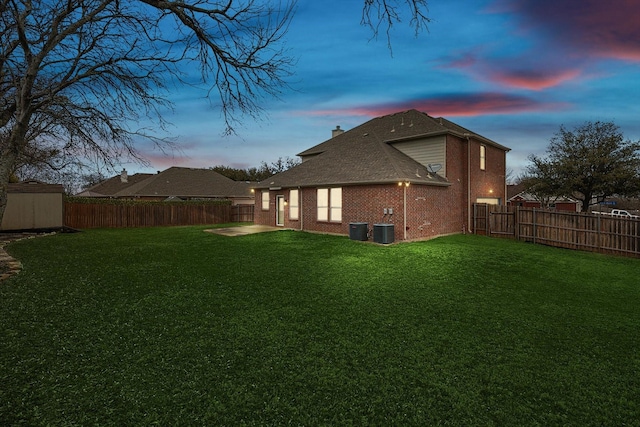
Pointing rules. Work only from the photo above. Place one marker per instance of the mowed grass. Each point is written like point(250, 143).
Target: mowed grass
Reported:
point(175, 326)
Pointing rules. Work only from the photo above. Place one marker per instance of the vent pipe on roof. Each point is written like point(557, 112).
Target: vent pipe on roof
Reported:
point(124, 178)
point(337, 131)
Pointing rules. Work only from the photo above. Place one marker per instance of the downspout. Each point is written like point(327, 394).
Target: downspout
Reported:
point(300, 208)
point(468, 182)
point(404, 215)
point(504, 202)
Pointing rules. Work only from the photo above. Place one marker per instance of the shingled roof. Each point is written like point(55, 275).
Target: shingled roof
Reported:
point(112, 186)
point(33, 186)
point(175, 181)
point(364, 154)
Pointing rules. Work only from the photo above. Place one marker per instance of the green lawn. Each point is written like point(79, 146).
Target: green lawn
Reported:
point(174, 326)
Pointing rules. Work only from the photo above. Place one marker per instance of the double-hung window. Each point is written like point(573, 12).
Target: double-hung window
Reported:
point(294, 204)
point(335, 205)
point(265, 200)
point(483, 157)
point(323, 204)
point(330, 204)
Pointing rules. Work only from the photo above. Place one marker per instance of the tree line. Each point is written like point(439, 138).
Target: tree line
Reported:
point(260, 173)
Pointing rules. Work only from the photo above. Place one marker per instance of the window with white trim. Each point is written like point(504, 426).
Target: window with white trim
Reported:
point(330, 204)
point(265, 200)
point(335, 205)
point(294, 203)
point(483, 157)
point(323, 204)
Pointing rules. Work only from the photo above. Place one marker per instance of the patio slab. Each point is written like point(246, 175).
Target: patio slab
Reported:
point(242, 230)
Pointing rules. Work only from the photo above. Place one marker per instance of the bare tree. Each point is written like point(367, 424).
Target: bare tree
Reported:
point(377, 14)
point(79, 73)
point(77, 76)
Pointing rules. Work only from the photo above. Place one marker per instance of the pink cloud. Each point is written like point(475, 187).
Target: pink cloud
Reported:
point(453, 105)
point(589, 28)
point(522, 72)
point(533, 79)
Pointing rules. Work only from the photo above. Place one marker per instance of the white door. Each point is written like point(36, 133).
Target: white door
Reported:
point(280, 210)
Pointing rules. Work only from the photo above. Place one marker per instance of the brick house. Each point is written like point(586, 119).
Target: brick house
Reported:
point(518, 196)
point(421, 174)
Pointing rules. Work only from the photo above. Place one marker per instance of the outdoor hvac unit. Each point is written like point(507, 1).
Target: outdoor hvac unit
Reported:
point(358, 231)
point(383, 233)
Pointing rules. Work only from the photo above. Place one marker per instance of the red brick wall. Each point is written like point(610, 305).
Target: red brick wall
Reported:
point(431, 210)
point(491, 181)
point(261, 216)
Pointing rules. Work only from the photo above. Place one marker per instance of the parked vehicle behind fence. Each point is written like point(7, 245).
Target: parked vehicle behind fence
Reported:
point(617, 212)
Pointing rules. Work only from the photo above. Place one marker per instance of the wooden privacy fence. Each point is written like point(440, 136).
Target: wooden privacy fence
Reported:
point(572, 230)
point(103, 215)
point(242, 213)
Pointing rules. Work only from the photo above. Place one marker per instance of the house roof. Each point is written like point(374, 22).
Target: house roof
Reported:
point(175, 181)
point(34, 187)
point(515, 189)
point(405, 125)
point(364, 154)
point(518, 192)
point(112, 186)
point(528, 197)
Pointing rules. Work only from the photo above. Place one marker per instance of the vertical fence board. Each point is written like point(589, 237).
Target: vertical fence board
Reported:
point(102, 215)
point(571, 230)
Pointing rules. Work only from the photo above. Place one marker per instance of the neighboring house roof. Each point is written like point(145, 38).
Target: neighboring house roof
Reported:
point(34, 187)
point(112, 186)
point(528, 197)
point(364, 154)
point(514, 189)
point(518, 192)
point(174, 182)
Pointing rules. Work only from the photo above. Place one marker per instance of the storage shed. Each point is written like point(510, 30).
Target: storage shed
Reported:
point(33, 205)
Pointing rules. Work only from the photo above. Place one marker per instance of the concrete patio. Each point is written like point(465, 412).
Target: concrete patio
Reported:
point(242, 230)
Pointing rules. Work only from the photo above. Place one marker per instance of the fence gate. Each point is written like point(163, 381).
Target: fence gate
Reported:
point(494, 220)
point(480, 218)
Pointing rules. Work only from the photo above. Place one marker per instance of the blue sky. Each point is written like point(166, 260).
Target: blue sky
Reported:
point(510, 70)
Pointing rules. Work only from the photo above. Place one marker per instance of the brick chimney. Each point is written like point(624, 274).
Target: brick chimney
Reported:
point(337, 131)
point(124, 178)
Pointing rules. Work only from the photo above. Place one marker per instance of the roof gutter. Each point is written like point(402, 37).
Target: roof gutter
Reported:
point(338, 183)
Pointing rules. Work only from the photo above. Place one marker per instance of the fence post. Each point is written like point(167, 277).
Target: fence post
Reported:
point(516, 223)
point(598, 233)
point(535, 228)
point(487, 225)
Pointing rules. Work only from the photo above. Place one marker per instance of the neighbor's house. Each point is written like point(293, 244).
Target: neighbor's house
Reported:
point(33, 205)
point(420, 173)
point(528, 200)
point(175, 183)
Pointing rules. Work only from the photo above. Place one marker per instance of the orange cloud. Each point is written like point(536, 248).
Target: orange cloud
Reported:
point(533, 80)
point(452, 105)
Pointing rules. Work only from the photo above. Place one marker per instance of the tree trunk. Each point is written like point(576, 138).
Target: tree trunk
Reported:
point(586, 202)
point(6, 167)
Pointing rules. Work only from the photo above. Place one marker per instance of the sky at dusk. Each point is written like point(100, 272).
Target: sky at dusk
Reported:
point(513, 71)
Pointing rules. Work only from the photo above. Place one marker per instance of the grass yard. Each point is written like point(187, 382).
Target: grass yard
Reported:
point(175, 326)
